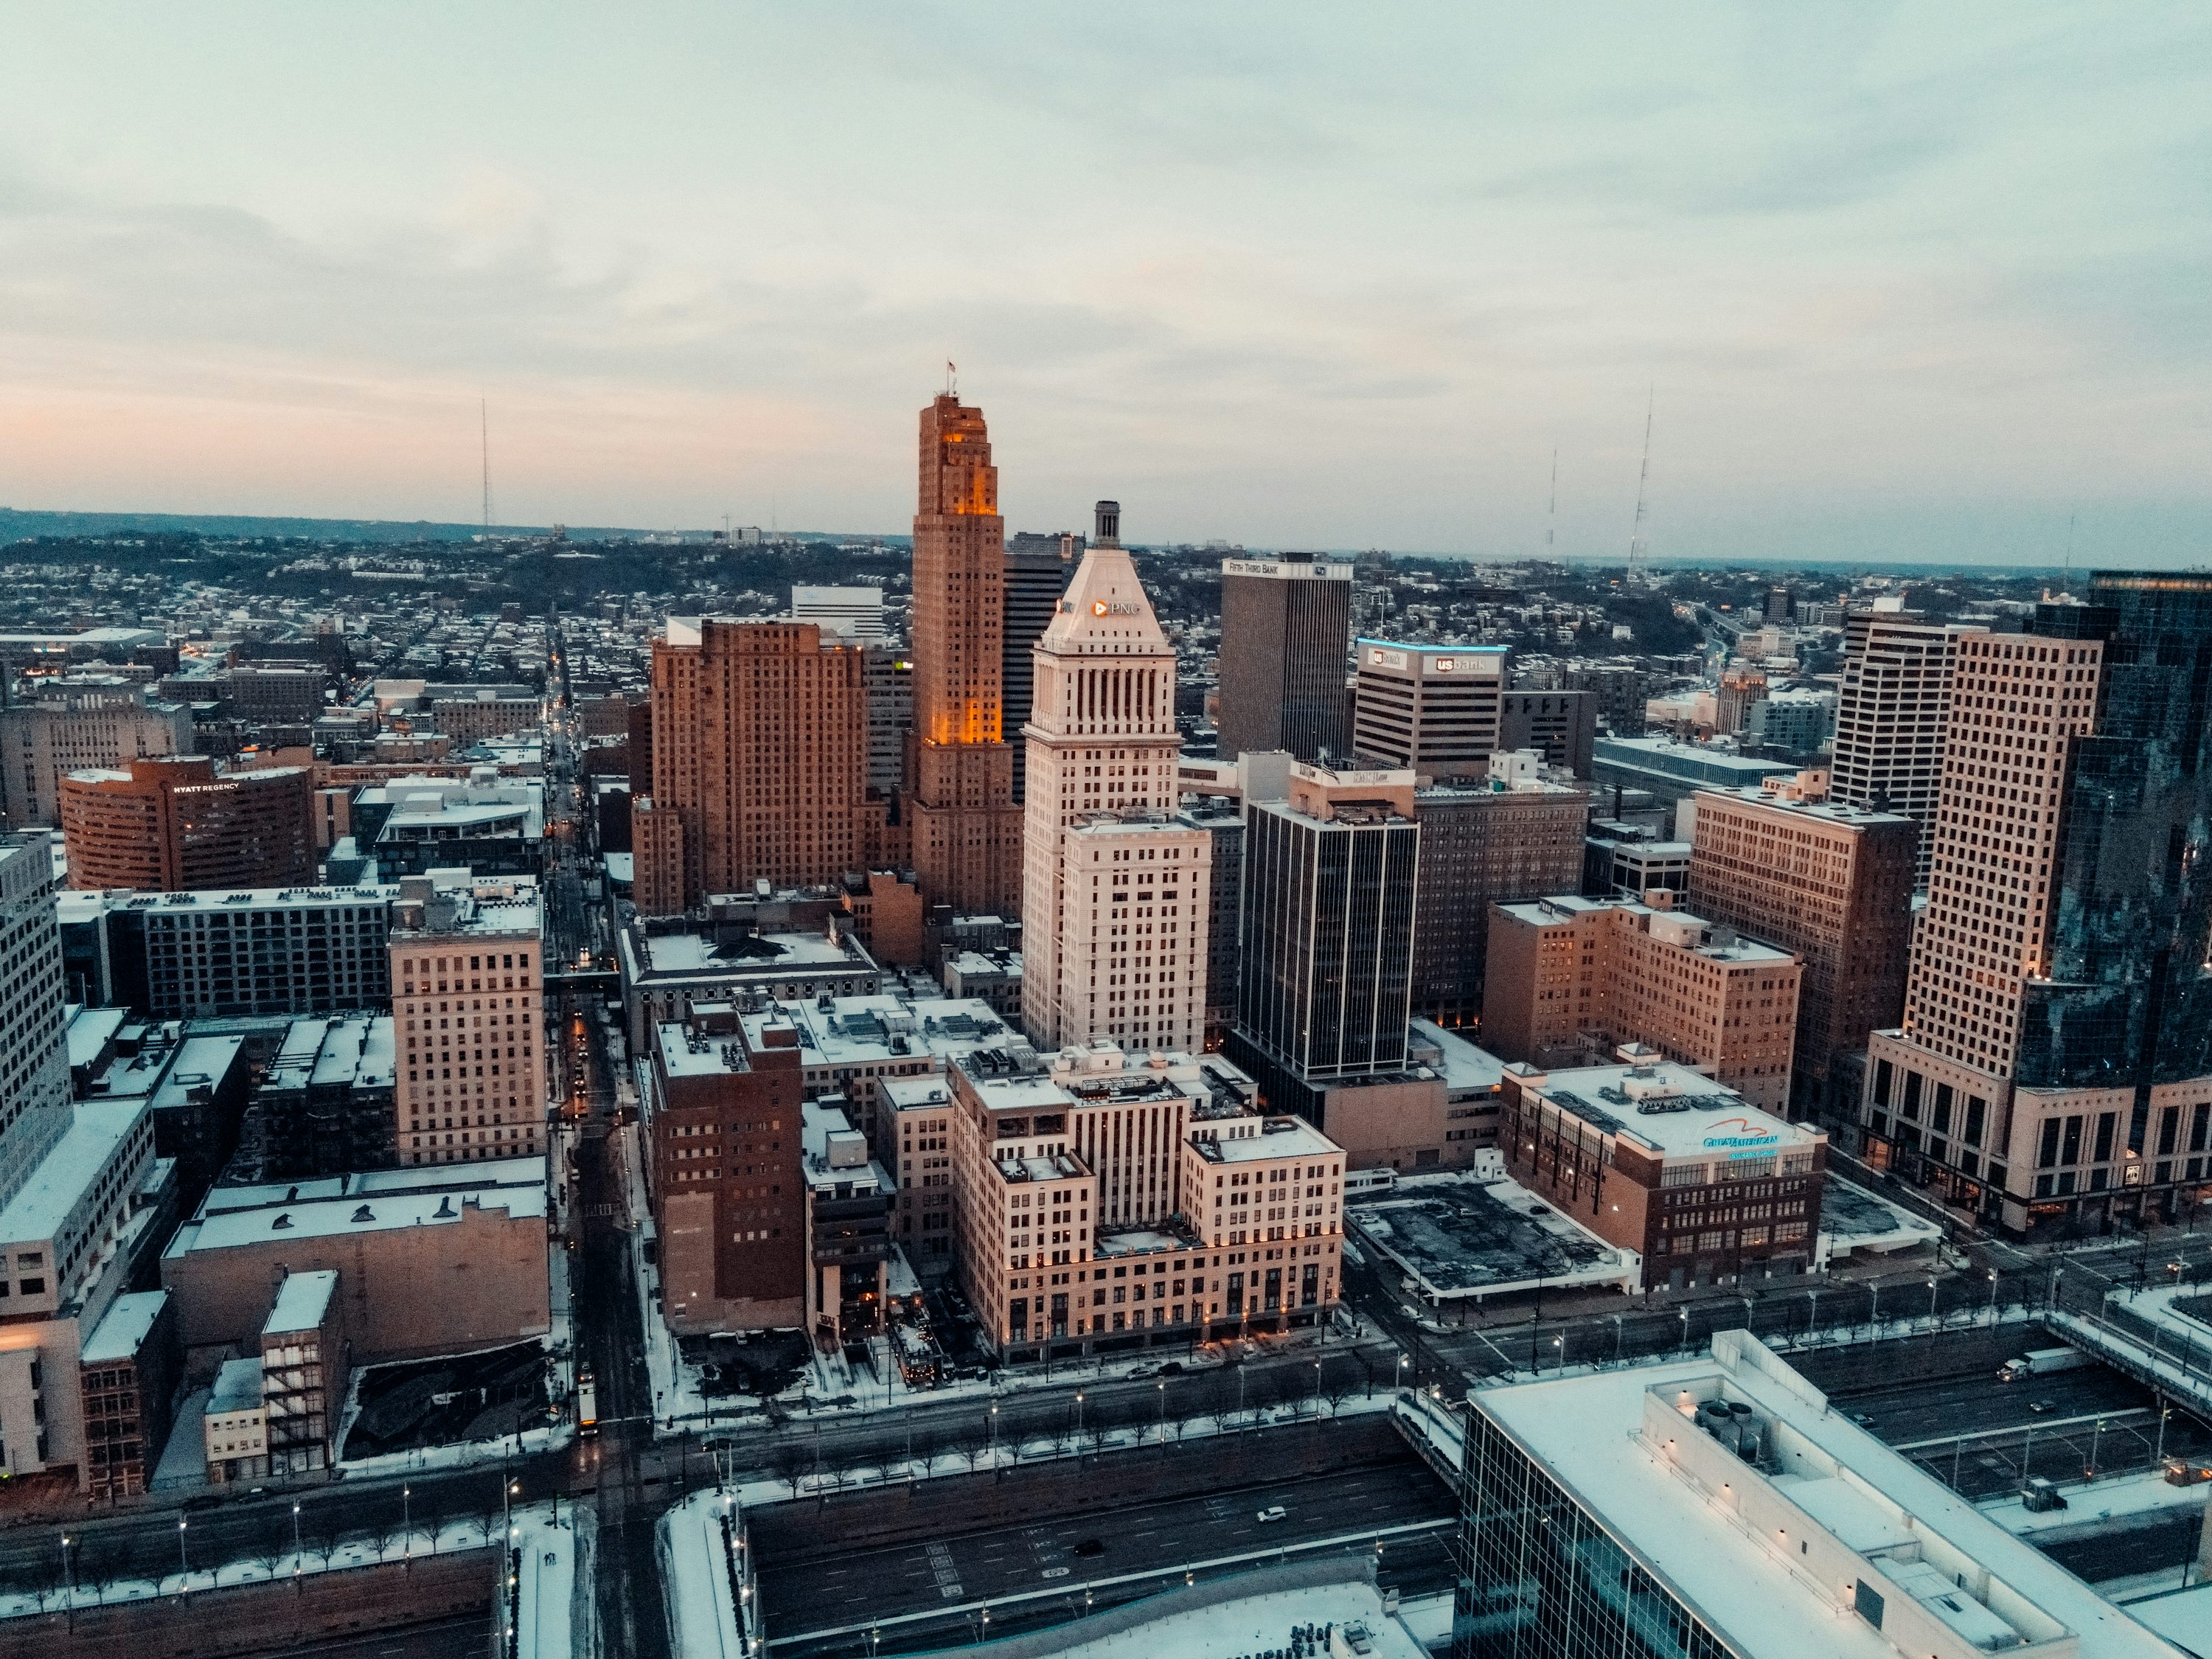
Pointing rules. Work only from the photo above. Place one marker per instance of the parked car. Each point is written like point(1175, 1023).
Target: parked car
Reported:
point(1273, 1512)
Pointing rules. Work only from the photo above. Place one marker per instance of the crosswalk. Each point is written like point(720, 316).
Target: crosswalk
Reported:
point(941, 1569)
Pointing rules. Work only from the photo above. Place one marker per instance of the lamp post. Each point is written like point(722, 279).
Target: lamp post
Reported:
point(1686, 1329)
point(1559, 1354)
point(184, 1566)
point(407, 1524)
point(69, 1578)
point(995, 1439)
point(1078, 1425)
point(1993, 1296)
point(298, 1553)
point(1162, 1390)
point(1931, 1302)
point(1398, 1376)
point(1316, 1387)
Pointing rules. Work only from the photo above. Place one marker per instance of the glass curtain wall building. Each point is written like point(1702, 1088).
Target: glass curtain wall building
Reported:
point(1325, 985)
point(1541, 1578)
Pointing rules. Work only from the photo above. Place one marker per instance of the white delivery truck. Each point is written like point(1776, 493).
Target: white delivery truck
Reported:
point(2041, 1362)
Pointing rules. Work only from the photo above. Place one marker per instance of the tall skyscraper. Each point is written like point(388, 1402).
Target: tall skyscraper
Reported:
point(2054, 1066)
point(1117, 890)
point(1286, 625)
point(759, 761)
point(1436, 708)
point(1891, 715)
point(1327, 931)
point(1831, 883)
point(34, 1076)
point(967, 829)
point(1038, 571)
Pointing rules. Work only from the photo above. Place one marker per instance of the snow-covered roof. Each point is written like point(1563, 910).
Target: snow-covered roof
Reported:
point(1771, 1553)
point(302, 1302)
point(122, 1330)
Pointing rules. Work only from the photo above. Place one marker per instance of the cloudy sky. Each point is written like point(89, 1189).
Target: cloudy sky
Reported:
point(1904, 282)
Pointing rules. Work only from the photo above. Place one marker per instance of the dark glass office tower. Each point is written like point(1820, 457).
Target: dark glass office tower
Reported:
point(2054, 1065)
point(1037, 570)
point(1328, 932)
point(2126, 1001)
point(1285, 628)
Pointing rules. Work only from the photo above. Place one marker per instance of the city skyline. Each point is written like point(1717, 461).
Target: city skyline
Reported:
point(1295, 286)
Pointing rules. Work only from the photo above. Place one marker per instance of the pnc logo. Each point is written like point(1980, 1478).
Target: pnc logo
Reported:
point(1111, 608)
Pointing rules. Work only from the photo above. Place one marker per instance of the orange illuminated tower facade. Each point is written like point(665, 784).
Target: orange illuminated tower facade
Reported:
point(967, 829)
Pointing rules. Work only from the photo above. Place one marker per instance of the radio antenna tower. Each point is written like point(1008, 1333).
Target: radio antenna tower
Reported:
point(1636, 547)
point(484, 432)
point(1552, 517)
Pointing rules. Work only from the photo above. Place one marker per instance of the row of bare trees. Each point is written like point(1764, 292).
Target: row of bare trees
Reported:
point(804, 1466)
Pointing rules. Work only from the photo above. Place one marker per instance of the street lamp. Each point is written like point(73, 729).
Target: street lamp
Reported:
point(994, 1436)
point(1931, 1301)
point(1686, 1330)
point(1163, 1389)
point(298, 1553)
point(1398, 1376)
point(69, 1579)
point(184, 1566)
point(1993, 1296)
point(1559, 1354)
point(1316, 1387)
point(407, 1524)
point(1078, 1425)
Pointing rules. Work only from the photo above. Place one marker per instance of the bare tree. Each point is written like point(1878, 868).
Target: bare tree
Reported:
point(789, 1462)
point(384, 1533)
point(269, 1555)
point(975, 1443)
point(1336, 1388)
point(925, 1448)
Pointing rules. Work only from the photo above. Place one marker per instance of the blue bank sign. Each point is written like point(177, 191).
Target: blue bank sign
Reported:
point(1737, 1136)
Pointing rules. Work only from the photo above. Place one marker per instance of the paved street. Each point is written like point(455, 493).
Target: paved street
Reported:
point(852, 1585)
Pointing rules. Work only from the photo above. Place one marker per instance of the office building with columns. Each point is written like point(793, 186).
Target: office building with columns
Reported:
point(1117, 887)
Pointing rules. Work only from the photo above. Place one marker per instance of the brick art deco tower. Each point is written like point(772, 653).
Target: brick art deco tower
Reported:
point(967, 829)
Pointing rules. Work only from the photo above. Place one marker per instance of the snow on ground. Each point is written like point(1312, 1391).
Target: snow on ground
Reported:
point(695, 1578)
point(554, 1603)
point(2091, 1503)
point(1255, 1624)
point(899, 1471)
point(2183, 1616)
point(358, 1552)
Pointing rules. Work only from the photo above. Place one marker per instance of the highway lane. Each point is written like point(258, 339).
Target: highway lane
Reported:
point(824, 1591)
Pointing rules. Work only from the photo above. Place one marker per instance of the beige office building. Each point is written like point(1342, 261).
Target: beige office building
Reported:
point(1571, 980)
point(1107, 1203)
point(467, 978)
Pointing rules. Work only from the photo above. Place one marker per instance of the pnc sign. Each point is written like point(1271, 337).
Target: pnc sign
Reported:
point(1112, 608)
point(1737, 1134)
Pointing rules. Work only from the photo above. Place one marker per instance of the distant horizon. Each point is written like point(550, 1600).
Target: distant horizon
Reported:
point(114, 523)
